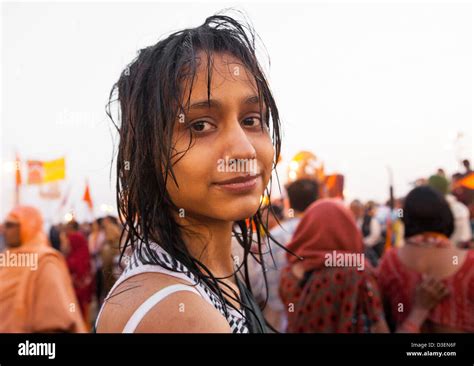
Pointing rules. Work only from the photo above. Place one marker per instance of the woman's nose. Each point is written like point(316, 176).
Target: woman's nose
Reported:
point(239, 145)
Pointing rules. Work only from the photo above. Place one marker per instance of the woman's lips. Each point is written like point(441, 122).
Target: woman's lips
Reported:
point(240, 184)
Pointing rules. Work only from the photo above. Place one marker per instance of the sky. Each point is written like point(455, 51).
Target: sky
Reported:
point(365, 86)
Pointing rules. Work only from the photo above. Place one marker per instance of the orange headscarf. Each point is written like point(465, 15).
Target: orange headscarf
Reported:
point(24, 306)
point(31, 226)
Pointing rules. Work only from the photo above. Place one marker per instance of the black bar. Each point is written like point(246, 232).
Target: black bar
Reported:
point(271, 346)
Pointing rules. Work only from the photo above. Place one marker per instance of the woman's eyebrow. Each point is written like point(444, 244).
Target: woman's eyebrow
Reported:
point(213, 103)
point(253, 99)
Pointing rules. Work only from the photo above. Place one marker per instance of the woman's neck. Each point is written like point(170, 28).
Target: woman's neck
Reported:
point(211, 243)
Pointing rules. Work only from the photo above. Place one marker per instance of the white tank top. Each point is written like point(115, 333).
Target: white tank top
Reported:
point(135, 266)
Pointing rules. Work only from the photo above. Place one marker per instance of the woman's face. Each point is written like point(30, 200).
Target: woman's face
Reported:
point(224, 172)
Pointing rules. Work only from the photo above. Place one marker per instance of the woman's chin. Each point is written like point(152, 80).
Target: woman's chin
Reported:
point(238, 212)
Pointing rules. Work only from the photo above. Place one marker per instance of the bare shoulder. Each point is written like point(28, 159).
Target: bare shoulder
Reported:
point(180, 312)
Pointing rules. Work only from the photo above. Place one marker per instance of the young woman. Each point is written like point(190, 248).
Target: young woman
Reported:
point(199, 137)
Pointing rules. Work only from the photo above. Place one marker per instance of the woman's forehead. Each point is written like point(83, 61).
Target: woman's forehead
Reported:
point(224, 71)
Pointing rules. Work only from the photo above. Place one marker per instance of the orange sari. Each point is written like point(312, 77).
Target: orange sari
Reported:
point(36, 293)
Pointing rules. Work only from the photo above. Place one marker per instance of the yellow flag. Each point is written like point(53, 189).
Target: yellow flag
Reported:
point(54, 170)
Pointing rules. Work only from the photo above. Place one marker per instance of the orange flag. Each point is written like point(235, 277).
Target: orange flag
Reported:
point(87, 197)
point(334, 185)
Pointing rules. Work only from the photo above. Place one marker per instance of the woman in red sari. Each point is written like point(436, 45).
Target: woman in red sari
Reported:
point(428, 251)
point(79, 264)
point(324, 292)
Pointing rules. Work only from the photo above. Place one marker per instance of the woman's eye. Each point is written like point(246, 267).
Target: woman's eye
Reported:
point(200, 126)
point(251, 122)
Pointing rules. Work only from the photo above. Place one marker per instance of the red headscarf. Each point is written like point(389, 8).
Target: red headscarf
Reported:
point(331, 300)
point(327, 225)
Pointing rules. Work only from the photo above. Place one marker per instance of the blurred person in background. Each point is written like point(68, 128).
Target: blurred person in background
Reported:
point(110, 252)
point(85, 228)
point(441, 172)
point(398, 229)
point(464, 194)
point(79, 263)
point(467, 166)
point(39, 297)
point(428, 251)
point(370, 228)
point(301, 194)
point(54, 233)
point(3, 246)
point(462, 225)
point(323, 298)
point(96, 242)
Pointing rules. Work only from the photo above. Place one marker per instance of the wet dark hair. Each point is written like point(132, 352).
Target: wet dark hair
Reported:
point(149, 93)
point(278, 211)
point(426, 210)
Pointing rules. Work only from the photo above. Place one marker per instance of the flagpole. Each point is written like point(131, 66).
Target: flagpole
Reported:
point(17, 180)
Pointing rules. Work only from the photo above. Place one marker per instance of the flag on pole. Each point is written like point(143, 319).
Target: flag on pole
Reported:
point(46, 171)
point(87, 196)
point(17, 179)
point(54, 170)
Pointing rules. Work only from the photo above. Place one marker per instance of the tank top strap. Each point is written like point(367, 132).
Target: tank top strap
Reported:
point(152, 301)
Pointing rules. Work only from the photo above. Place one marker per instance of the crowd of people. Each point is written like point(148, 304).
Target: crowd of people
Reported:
point(408, 267)
point(328, 266)
point(74, 268)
